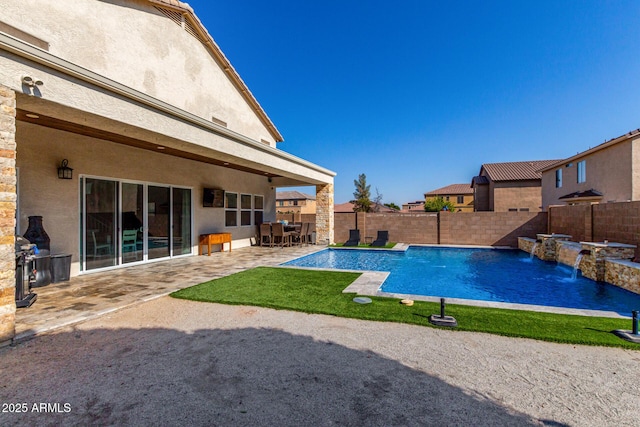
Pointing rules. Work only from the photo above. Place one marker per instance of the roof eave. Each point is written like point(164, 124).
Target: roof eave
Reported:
point(602, 146)
point(224, 62)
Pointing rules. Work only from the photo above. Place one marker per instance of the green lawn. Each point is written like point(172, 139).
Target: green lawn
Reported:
point(321, 292)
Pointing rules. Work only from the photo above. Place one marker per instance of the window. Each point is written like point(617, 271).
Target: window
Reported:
point(245, 209)
point(558, 178)
point(281, 203)
point(582, 171)
point(295, 203)
point(460, 200)
point(446, 198)
point(513, 209)
point(258, 206)
point(524, 209)
point(231, 209)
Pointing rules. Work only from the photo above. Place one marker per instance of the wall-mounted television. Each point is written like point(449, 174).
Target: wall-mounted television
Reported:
point(213, 198)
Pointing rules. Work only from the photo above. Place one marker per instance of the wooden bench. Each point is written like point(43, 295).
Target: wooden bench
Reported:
point(213, 239)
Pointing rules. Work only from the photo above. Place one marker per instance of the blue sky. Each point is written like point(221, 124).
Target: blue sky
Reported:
point(419, 94)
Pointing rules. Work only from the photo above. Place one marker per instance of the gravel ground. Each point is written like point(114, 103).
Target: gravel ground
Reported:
point(175, 362)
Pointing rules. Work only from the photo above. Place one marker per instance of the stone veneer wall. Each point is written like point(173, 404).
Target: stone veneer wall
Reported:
point(324, 214)
point(622, 273)
point(7, 213)
point(619, 272)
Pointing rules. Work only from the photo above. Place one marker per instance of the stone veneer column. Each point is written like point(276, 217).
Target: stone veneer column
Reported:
point(324, 214)
point(7, 214)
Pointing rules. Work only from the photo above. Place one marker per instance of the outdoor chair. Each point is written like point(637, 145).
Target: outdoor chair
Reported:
point(311, 232)
point(265, 235)
point(130, 242)
point(281, 237)
point(100, 248)
point(382, 239)
point(354, 238)
point(300, 237)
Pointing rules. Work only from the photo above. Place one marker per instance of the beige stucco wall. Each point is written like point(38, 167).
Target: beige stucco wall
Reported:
point(39, 153)
point(134, 44)
point(517, 195)
point(609, 171)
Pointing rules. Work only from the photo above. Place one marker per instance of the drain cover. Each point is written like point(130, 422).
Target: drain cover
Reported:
point(362, 300)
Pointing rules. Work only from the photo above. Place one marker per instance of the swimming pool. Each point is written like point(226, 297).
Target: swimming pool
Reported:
point(508, 276)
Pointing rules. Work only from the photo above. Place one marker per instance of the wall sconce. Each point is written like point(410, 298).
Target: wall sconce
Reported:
point(64, 171)
point(31, 82)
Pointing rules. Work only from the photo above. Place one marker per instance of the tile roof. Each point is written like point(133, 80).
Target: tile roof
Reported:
point(451, 189)
point(582, 194)
point(293, 195)
point(479, 180)
point(516, 171)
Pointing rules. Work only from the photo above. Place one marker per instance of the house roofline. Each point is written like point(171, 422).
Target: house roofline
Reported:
point(39, 56)
point(606, 144)
point(217, 53)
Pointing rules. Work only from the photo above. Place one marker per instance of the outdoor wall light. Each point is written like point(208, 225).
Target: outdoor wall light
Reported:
point(64, 171)
point(31, 82)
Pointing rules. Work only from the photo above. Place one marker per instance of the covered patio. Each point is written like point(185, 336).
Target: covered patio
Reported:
point(91, 295)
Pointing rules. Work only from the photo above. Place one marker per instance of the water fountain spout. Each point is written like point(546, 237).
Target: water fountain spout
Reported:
point(533, 250)
point(576, 266)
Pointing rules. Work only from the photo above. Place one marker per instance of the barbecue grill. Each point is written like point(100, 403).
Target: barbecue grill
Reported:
point(25, 272)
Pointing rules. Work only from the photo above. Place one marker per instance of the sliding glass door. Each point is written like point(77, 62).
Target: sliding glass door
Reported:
point(159, 222)
point(127, 222)
point(132, 231)
point(181, 223)
point(99, 223)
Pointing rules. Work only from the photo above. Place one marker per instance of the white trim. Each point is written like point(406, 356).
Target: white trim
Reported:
point(118, 227)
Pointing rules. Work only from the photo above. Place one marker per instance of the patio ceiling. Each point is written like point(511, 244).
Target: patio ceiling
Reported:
point(159, 146)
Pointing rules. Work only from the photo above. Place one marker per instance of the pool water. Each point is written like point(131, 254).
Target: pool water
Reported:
point(509, 276)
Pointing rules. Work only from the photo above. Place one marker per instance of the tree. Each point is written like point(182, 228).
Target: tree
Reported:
point(392, 206)
point(377, 201)
point(438, 204)
point(362, 201)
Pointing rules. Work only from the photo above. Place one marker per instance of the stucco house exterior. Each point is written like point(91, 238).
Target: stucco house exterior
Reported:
point(415, 206)
point(165, 139)
point(509, 186)
point(461, 195)
point(609, 172)
point(295, 202)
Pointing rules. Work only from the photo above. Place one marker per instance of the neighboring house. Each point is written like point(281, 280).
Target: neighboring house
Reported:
point(609, 172)
point(348, 207)
point(509, 186)
point(295, 202)
point(461, 195)
point(165, 139)
point(418, 205)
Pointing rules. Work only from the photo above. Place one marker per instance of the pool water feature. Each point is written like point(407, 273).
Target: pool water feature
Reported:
point(507, 276)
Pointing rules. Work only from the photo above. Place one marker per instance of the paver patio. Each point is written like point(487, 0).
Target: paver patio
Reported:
point(90, 295)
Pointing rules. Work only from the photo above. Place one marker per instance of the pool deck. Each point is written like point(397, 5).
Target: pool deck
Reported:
point(93, 295)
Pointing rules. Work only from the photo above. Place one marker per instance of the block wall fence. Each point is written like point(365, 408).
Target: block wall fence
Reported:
point(447, 228)
point(615, 222)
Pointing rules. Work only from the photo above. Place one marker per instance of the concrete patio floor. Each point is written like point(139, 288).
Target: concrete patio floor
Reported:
point(95, 294)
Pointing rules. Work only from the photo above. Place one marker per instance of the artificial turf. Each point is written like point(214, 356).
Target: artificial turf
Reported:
point(320, 292)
